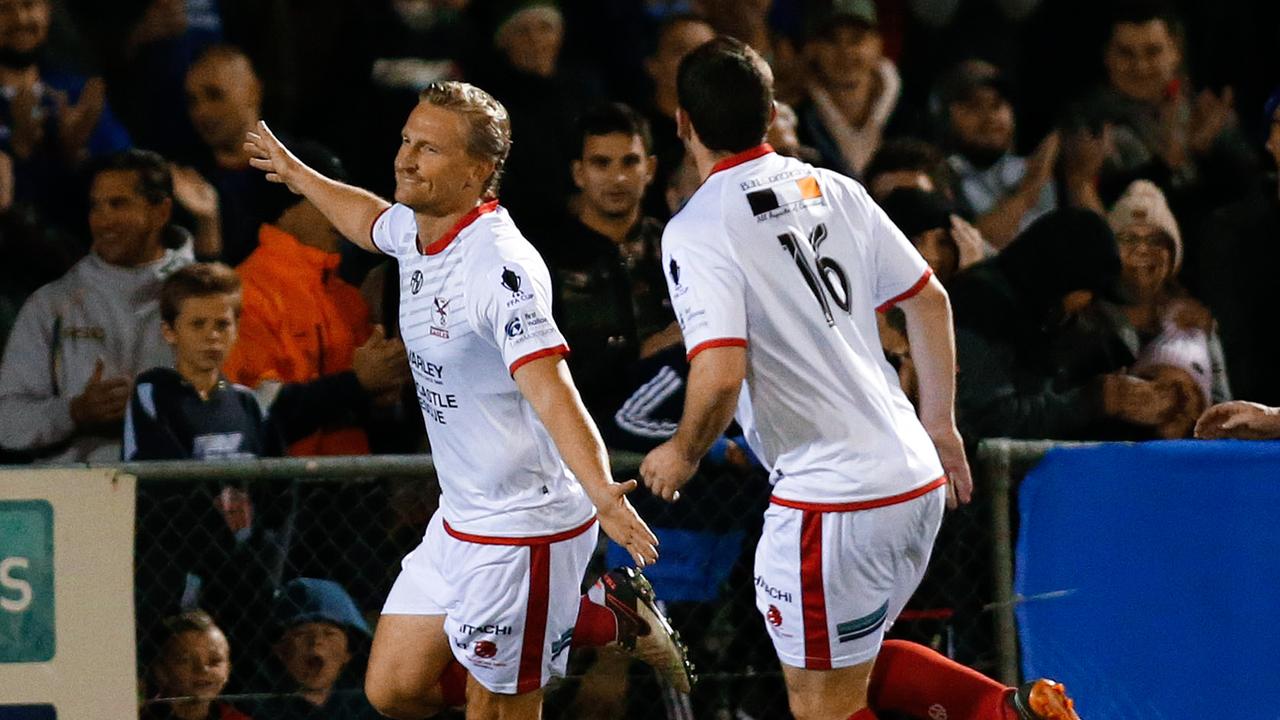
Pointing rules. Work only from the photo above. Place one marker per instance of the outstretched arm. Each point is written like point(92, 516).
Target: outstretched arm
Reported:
point(546, 384)
point(351, 210)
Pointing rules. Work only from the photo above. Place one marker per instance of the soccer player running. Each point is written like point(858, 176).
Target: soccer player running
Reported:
point(492, 593)
point(776, 270)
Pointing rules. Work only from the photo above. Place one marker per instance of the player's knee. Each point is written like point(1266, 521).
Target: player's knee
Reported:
point(396, 701)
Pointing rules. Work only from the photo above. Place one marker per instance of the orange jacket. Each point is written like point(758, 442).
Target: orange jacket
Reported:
point(300, 321)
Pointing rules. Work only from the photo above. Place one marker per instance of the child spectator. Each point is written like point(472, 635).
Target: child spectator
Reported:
point(194, 662)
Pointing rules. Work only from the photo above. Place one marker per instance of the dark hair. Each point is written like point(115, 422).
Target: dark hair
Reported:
point(670, 23)
point(155, 182)
point(726, 89)
point(197, 280)
point(274, 198)
point(1140, 12)
point(488, 124)
point(611, 118)
point(907, 154)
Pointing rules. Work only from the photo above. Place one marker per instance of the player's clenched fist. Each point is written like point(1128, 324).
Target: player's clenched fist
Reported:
point(665, 470)
point(623, 525)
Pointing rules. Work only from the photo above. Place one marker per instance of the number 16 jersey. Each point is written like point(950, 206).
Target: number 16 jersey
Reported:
point(792, 262)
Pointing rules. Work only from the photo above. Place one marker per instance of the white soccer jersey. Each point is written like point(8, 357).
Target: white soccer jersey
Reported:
point(475, 305)
point(792, 262)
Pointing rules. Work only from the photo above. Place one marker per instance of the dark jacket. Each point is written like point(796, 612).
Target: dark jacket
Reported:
point(1025, 370)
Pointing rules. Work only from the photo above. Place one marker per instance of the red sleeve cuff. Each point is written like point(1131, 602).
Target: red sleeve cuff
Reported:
point(718, 342)
point(374, 224)
point(561, 350)
point(910, 292)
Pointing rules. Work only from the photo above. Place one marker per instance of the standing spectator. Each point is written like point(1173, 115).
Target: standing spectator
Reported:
point(606, 263)
point(319, 655)
point(1011, 314)
point(146, 48)
point(1240, 253)
point(676, 37)
point(853, 91)
point(1175, 333)
point(79, 341)
point(302, 322)
point(1002, 191)
point(194, 663)
point(50, 120)
point(1186, 142)
point(224, 99)
point(543, 95)
point(929, 221)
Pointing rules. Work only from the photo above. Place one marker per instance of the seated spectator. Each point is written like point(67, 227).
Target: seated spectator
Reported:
point(193, 662)
point(677, 35)
point(1237, 278)
point(224, 100)
point(1004, 192)
point(1017, 377)
point(1186, 142)
point(853, 88)
point(301, 322)
point(1175, 334)
point(317, 664)
point(1239, 420)
point(50, 120)
point(907, 162)
point(610, 296)
point(79, 341)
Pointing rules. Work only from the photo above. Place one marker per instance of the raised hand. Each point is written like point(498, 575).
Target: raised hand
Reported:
point(194, 193)
point(268, 154)
point(77, 122)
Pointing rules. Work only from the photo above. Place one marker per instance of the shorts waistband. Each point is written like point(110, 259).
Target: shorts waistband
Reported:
point(862, 504)
point(535, 540)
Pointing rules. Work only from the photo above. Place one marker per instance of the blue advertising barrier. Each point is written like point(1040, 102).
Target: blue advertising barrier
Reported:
point(1148, 578)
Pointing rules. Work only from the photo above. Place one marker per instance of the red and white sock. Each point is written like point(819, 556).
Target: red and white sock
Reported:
point(863, 714)
point(597, 626)
point(911, 679)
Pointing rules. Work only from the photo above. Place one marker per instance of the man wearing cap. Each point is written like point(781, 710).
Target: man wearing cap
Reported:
point(853, 88)
point(1002, 191)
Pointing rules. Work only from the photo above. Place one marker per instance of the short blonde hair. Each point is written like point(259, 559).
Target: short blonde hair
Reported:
point(488, 124)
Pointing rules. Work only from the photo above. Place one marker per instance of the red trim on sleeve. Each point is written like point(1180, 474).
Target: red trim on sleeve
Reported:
point(561, 349)
point(374, 224)
point(745, 156)
point(535, 620)
point(909, 293)
point(718, 342)
point(863, 505)
point(443, 241)
point(813, 598)
point(519, 541)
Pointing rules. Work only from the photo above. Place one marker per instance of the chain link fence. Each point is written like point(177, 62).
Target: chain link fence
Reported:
point(226, 537)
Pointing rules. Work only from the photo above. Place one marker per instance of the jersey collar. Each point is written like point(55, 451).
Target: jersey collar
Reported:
point(745, 156)
point(443, 241)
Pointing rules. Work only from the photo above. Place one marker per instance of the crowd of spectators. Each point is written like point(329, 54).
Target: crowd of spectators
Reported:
point(1093, 182)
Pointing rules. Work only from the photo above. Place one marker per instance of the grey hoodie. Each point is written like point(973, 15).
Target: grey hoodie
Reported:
point(96, 310)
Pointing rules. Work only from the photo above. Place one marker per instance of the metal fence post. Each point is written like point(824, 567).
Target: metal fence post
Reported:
point(996, 471)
